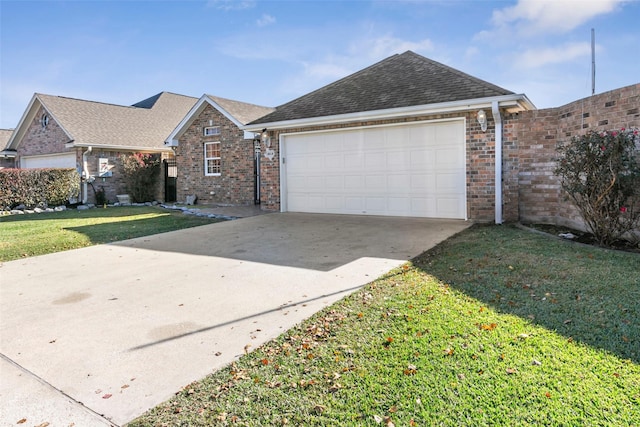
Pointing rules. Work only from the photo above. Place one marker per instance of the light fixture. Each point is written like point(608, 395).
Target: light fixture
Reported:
point(265, 138)
point(482, 120)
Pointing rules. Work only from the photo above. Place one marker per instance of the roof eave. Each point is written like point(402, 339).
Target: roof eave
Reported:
point(112, 147)
point(172, 139)
point(512, 103)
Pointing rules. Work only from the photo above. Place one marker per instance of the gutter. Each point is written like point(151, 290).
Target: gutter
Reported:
point(517, 102)
point(85, 175)
point(495, 109)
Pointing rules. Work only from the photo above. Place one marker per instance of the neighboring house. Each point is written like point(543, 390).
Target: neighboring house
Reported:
point(215, 159)
point(407, 136)
point(90, 136)
point(6, 156)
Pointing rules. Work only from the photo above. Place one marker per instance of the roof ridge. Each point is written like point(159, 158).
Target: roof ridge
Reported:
point(454, 70)
point(83, 100)
point(343, 79)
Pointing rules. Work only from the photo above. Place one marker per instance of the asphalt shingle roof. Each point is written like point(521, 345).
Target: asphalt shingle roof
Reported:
point(94, 123)
point(402, 80)
point(242, 111)
point(5, 136)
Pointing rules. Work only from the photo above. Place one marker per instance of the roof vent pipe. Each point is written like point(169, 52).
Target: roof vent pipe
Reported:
point(498, 169)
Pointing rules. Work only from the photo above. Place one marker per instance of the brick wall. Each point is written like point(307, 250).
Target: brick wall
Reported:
point(42, 140)
point(480, 152)
point(51, 139)
point(235, 185)
point(537, 133)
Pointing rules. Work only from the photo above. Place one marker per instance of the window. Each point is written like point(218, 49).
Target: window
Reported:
point(212, 158)
point(212, 131)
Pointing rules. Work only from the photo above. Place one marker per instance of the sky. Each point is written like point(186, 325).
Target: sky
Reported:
point(271, 52)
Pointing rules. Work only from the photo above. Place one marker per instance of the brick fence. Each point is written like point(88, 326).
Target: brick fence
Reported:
point(531, 190)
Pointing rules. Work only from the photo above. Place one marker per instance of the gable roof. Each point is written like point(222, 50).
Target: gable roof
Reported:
point(400, 81)
point(239, 113)
point(90, 123)
point(5, 136)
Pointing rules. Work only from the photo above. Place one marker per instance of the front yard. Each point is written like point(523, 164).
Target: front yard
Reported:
point(496, 326)
point(39, 234)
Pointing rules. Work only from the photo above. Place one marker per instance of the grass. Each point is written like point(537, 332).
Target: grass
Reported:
point(38, 234)
point(495, 326)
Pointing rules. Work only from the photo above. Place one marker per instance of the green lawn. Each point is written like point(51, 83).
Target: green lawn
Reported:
point(39, 234)
point(495, 327)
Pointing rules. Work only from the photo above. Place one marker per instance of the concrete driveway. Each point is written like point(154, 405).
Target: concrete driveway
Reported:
point(99, 335)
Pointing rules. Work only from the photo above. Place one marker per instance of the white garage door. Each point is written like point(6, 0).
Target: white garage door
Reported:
point(67, 160)
point(406, 170)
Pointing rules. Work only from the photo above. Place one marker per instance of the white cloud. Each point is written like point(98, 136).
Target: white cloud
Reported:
point(534, 17)
point(231, 4)
point(535, 58)
point(265, 20)
point(387, 45)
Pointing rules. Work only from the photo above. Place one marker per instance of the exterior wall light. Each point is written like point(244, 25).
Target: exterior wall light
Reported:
point(265, 138)
point(482, 120)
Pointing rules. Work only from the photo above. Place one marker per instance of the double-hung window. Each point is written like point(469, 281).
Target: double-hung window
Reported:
point(212, 158)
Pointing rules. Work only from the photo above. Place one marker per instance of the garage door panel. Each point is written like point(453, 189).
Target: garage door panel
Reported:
point(407, 170)
point(67, 160)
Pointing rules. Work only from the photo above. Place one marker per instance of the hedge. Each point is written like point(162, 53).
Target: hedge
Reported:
point(38, 187)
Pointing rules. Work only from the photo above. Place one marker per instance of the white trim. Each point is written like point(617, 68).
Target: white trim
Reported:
point(74, 144)
point(498, 162)
point(517, 102)
point(205, 158)
point(173, 138)
point(283, 164)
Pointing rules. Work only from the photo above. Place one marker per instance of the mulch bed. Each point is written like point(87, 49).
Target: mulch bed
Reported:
point(583, 237)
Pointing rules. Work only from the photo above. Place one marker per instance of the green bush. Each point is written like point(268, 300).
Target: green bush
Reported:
point(37, 187)
point(141, 172)
point(600, 172)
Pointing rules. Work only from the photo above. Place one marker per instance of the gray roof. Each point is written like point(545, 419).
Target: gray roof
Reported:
point(5, 136)
point(402, 80)
point(241, 111)
point(90, 123)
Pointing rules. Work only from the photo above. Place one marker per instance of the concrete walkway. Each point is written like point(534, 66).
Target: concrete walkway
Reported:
point(99, 335)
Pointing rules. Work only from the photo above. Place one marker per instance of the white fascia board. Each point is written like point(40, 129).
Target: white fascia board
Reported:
point(519, 101)
point(110, 147)
point(27, 117)
point(172, 139)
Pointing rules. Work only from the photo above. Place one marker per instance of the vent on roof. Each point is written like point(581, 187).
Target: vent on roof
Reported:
point(212, 131)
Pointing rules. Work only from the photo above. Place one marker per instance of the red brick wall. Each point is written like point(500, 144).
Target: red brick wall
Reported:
point(537, 133)
point(235, 185)
point(480, 152)
point(42, 140)
point(51, 139)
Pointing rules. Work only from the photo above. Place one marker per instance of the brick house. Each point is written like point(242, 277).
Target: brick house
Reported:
point(407, 136)
point(215, 158)
point(90, 136)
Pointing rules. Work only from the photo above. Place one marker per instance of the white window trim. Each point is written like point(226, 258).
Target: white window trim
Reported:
point(206, 171)
point(204, 131)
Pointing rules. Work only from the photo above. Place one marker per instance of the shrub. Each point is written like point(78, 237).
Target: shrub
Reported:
point(37, 187)
point(600, 172)
point(141, 172)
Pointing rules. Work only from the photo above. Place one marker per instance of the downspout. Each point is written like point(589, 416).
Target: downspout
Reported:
point(498, 169)
point(85, 176)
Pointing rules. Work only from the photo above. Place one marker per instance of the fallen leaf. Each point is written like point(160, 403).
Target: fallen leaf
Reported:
point(265, 361)
point(617, 375)
point(106, 396)
point(536, 362)
point(511, 371)
point(548, 395)
point(44, 424)
point(393, 409)
point(625, 338)
point(22, 421)
point(566, 322)
point(377, 419)
point(319, 409)
point(388, 422)
point(125, 386)
point(448, 351)
point(246, 348)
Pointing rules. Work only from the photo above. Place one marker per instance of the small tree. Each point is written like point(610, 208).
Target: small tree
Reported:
point(600, 172)
point(141, 172)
